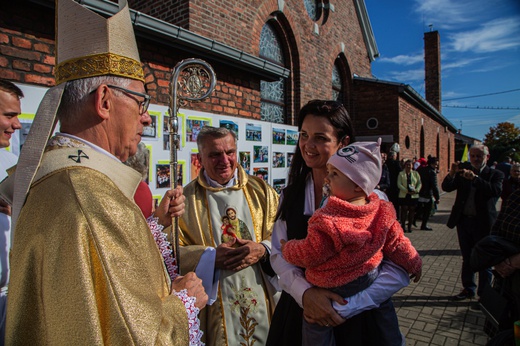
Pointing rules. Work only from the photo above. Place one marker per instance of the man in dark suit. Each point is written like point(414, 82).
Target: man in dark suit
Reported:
point(474, 212)
point(429, 189)
point(505, 167)
point(384, 181)
point(393, 169)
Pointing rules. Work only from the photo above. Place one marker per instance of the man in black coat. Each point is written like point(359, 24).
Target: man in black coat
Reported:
point(393, 169)
point(429, 190)
point(384, 181)
point(505, 167)
point(474, 213)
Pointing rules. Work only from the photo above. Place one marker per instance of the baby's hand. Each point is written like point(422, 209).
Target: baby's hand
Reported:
point(417, 276)
point(282, 243)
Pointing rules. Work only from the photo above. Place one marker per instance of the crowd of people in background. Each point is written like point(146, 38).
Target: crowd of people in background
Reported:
point(417, 196)
point(479, 186)
point(411, 185)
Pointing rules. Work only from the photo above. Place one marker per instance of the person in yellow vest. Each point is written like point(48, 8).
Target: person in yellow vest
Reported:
point(86, 269)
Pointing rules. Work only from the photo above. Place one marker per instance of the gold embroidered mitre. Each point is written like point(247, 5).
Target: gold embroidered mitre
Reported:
point(89, 45)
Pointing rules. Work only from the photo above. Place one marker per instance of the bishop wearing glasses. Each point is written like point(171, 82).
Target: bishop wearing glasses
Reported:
point(86, 270)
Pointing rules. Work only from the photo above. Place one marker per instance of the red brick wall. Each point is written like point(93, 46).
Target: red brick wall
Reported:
point(379, 103)
point(400, 117)
point(237, 93)
point(412, 121)
point(27, 47)
point(27, 56)
point(310, 57)
point(171, 11)
point(409, 127)
point(26, 43)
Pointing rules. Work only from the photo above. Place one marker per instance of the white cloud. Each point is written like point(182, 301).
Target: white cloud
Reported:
point(506, 62)
point(493, 36)
point(514, 119)
point(451, 94)
point(447, 14)
point(489, 68)
point(483, 26)
point(405, 60)
point(460, 63)
point(407, 76)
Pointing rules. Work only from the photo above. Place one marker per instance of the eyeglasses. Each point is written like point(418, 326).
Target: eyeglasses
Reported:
point(143, 105)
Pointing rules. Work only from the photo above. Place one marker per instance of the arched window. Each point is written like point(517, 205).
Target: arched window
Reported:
point(313, 8)
point(337, 84)
point(272, 93)
point(341, 82)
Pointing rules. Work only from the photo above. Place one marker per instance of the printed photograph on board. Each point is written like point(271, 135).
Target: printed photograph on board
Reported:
point(150, 131)
point(261, 153)
point(156, 201)
point(162, 169)
point(230, 126)
point(162, 175)
point(245, 160)
point(147, 158)
point(195, 166)
point(20, 136)
point(278, 136)
point(278, 185)
point(261, 172)
point(253, 133)
point(278, 160)
point(292, 137)
point(24, 131)
point(180, 173)
point(193, 127)
point(289, 159)
point(166, 133)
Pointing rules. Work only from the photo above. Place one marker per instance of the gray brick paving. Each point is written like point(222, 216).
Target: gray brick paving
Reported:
point(427, 315)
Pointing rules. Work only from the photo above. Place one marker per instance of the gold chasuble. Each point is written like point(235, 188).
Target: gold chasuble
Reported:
point(245, 302)
point(85, 269)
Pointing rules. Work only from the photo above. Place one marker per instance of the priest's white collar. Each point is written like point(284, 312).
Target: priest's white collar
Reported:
point(213, 183)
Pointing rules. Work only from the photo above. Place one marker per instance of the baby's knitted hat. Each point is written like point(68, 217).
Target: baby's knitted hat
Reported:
point(361, 163)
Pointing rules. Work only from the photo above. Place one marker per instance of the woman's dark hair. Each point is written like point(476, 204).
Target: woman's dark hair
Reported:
point(338, 116)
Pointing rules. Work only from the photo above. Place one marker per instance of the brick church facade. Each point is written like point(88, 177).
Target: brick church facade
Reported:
point(325, 54)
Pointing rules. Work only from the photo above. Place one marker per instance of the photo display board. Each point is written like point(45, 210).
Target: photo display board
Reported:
point(264, 149)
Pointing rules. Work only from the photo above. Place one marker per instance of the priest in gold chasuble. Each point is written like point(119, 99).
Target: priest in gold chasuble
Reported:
point(85, 267)
point(225, 236)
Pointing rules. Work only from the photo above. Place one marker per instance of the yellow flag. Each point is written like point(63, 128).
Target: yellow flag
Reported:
point(465, 155)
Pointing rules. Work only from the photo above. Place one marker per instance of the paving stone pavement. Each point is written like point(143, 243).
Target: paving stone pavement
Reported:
point(427, 315)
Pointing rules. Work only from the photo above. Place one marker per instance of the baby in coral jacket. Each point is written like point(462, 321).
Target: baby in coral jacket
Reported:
point(348, 238)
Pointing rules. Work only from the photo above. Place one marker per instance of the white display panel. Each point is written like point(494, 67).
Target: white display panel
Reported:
point(264, 149)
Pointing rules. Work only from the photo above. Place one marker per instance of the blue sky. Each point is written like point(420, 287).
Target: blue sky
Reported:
point(480, 55)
